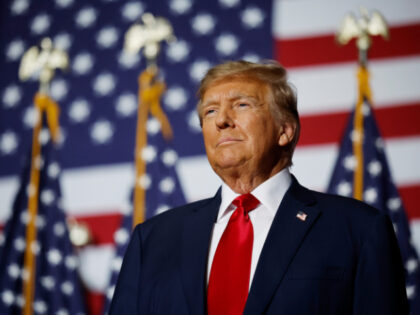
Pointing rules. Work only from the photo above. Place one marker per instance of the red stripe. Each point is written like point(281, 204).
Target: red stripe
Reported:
point(318, 50)
point(395, 121)
point(102, 226)
point(410, 197)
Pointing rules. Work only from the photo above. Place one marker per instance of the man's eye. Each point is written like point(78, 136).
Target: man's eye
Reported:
point(243, 104)
point(209, 111)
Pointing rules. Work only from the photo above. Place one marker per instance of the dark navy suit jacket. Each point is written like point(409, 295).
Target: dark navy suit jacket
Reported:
point(343, 259)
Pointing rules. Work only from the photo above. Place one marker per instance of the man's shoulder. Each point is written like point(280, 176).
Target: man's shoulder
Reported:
point(173, 217)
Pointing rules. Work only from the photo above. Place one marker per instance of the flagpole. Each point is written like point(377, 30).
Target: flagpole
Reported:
point(148, 35)
point(362, 29)
point(32, 62)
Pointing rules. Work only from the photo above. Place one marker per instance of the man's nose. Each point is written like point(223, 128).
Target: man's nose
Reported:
point(224, 118)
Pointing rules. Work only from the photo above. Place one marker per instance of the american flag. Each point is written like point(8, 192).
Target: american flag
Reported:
point(98, 96)
point(378, 191)
point(57, 285)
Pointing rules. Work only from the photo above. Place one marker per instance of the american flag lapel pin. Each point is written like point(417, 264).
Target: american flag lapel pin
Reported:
point(301, 216)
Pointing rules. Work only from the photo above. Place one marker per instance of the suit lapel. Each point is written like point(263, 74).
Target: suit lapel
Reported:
point(197, 229)
point(283, 240)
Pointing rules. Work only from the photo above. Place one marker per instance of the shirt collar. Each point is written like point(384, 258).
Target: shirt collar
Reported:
point(270, 193)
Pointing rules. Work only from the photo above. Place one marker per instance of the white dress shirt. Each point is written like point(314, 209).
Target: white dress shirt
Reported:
point(270, 193)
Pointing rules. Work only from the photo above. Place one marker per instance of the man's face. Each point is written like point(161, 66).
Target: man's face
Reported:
point(238, 127)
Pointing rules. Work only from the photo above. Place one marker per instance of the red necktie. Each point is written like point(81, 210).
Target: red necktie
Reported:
point(229, 276)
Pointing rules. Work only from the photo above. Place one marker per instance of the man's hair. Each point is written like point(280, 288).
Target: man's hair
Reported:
point(284, 101)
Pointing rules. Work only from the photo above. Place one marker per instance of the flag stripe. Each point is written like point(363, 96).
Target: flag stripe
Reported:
point(296, 19)
point(333, 88)
point(329, 127)
point(325, 50)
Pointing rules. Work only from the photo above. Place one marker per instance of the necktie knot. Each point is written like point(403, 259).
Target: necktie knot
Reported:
point(247, 202)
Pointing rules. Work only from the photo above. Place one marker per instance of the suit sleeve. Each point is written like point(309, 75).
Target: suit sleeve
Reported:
point(380, 280)
point(126, 292)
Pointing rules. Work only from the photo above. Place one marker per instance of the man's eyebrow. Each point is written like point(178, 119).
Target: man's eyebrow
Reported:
point(233, 97)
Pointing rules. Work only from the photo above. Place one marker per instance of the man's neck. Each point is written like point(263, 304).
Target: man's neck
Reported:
point(244, 181)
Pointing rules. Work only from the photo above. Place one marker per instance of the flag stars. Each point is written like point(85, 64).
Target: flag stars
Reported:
point(19, 7)
point(19, 244)
point(411, 291)
point(126, 104)
point(11, 96)
point(62, 311)
point(178, 51)
point(116, 264)
point(8, 142)
point(226, 44)
point(169, 157)
point(15, 49)
point(67, 288)
point(40, 307)
point(31, 117)
point(104, 84)
point(86, 17)
point(83, 63)
point(344, 188)
point(102, 132)
point(198, 69)
point(62, 4)
point(40, 24)
point(229, 3)
point(193, 122)
point(79, 111)
point(54, 257)
point(131, 11)
point(59, 89)
point(162, 208)
point(148, 153)
point(144, 181)
point(63, 41)
point(44, 136)
point(128, 60)
point(152, 126)
point(374, 168)
point(370, 195)
point(203, 24)
point(394, 204)
point(121, 236)
point(107, 37)
point(59, 229)
point(13, 271)
point(8, 297)
point(20, 301)
point(411, 265)
point(252, 17)
point(379, 143)
point(167, 185)
point(350, 162)
point(175, 98)
point(71, 262)
point(356, 136)
point(180, 6)
point(53, 170)
point(47, 197)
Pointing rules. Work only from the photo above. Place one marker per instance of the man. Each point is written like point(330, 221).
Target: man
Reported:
point(263, 244)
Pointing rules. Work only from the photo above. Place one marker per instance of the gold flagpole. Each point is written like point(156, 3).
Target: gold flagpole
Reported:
point(148, 35)
point(43, 61)
point(362, 29)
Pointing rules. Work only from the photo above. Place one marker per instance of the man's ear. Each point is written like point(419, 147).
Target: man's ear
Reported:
point(287, 132)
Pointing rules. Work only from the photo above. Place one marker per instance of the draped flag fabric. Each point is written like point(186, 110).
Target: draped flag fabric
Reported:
point(98, 98)
point(163, 191)
point(57, 284)
point(379, 191)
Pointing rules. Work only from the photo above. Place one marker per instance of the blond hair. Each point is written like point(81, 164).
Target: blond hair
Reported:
point(270, 73)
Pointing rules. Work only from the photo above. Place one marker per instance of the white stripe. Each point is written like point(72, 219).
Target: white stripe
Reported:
point(304, 18)
point(333, 88)
point(96, 266)
point(99, 190)
point(415, 234)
